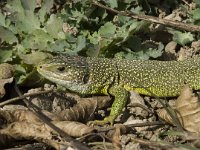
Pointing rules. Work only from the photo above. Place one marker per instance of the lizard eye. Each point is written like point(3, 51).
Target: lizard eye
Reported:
point(85, 78)
point(61, 69)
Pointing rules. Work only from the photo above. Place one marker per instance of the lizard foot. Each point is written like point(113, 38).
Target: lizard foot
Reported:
point(107, 120)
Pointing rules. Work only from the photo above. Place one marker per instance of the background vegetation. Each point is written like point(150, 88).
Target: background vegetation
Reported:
point(31, 30)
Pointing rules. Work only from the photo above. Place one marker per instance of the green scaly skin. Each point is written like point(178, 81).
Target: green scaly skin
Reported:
point(117, 77)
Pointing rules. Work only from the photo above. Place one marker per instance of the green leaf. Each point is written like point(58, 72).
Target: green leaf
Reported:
point(26, 22)
point(81, 43)
point(7, 36)
point(15, 5)
point(123, 19)
point(24, 19)
point(2, 20)
point(142, 54)
point(20, 69)
point(34, 58)
point(93, 50)
point(58, 46)
point(125, 55)
point(70, 38)
point(112, 3)
point(94, 38)
point(78, 15)
point(182, 38)
point(5, 55)
point(137, 26)
point(54, 26)
point(122, 32)
point(197, 2)
point(45, 9)
point(137, 10)
point(108, 30)
point(29, 4)
point(196, 14)
point(155, 53)
point(38, 40)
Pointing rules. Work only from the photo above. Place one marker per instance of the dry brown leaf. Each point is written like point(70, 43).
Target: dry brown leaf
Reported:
point(62, 103)
point(19, 114)
point(41, 132)
point(82, 111)
point(31, 131)
point(102, 101)
point(72, 128)
point(85, 108)
point(187, 107)
point(6, 73)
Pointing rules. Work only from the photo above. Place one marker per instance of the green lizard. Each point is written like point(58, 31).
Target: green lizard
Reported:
point(117, 77)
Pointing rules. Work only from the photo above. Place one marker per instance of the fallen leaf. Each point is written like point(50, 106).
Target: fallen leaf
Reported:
point(187, 107)
point(20, 114)
point(82, 111)
point(43, 133)
point(6, 76)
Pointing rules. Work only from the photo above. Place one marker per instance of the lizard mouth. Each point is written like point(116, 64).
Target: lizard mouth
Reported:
point(48, 72)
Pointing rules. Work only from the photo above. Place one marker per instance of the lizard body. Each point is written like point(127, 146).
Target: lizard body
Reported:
point(85, 75)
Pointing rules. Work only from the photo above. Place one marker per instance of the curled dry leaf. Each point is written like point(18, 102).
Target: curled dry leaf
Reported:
point(102, 101)
point(6, 71)
point(6, 76)
point(20, 114)
point(80, 112)
point(31, 131)
point(61, 104)
point(73, 128)
point(43, 133)
point(187, 107)
point(84, 109)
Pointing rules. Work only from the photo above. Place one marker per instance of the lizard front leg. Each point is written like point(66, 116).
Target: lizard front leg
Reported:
point(121, 96)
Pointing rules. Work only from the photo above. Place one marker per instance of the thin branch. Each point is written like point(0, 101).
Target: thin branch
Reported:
point(134, 125)
point(165, 22)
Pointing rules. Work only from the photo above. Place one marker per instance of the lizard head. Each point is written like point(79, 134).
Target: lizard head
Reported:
point(69, 71)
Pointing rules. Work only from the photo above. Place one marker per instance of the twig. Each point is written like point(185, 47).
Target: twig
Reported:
point(186, 3)
point(165, 22)
point(133, 125)
point(146, 124)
